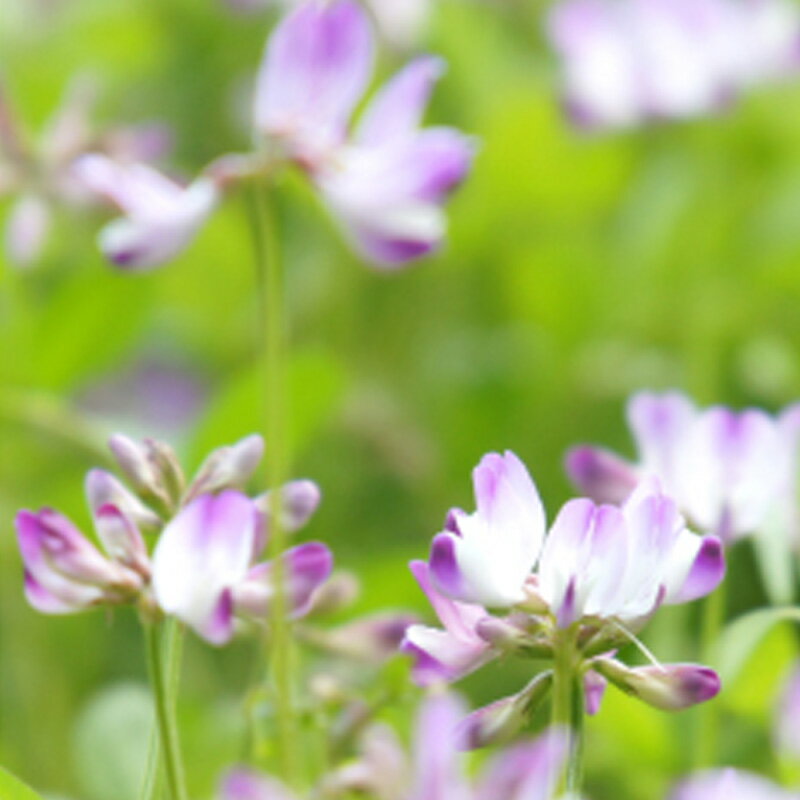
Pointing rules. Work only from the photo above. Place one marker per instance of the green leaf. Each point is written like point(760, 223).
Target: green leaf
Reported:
point(742, 636)
point(12, 788)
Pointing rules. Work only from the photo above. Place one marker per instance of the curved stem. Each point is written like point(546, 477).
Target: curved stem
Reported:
point(567, 706)
point(163, 670)
point(273, 350)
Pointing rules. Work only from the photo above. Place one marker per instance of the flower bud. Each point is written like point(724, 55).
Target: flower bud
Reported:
point(505, 635)
point(121, 539)
point(601, 475)
point(374, 637)
point(338, 592)
point(150, 465)
point(500, 721)
point(298, 501)
point(228, 467)
point(64, 572)
point(671, 687)
point(102, 488)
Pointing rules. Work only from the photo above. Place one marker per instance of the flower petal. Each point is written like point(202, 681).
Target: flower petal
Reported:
point(600, 474)
point(315, 69)
point(203, 552)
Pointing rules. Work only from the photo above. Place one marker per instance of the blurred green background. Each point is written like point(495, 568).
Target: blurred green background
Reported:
point(579, 269)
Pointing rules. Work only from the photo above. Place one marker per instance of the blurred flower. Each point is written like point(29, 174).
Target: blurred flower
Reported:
point(528, 771)
point(730, 784)
point(786, 725)
point(40, 174)
point(627, 61)
point(400, 22)
point(387, 180)
point(602, 572)
point(161, 217)
point(730, 472)
point(209, 535)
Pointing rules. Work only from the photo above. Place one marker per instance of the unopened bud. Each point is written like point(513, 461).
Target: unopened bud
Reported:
point(102, 488)
point(505, 634)
point(297, 501)
point(151, 466)
point(338, 592)
point(228, 467)
point(375, 637)
point(500, 721)
point(671, 687)
point(121, 539)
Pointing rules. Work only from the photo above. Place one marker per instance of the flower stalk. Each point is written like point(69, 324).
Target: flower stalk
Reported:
point(163, 654)
point(567, 703)
point(273, 351)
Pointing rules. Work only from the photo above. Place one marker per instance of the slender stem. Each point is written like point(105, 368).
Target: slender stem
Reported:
point(273, 350)
point(567, 706)
point(163, 679)
point(708, 720)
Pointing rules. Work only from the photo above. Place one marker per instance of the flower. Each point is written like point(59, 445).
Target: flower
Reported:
point(387, 180)
point(590, 584)
point(730, 784)
point(628, 61)
point(730, 472)
point(161, 217)
point(527, 771)
point(209, 535)
point(41, 175)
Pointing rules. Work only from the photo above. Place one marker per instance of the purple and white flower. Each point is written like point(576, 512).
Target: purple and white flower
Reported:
point(729, 472)
point(528, 771)
point(730, 784)
point(160, 217)
point(40, 173)
point(628, 61)
point(599, 574)
point(387, 180)
point(203, 568)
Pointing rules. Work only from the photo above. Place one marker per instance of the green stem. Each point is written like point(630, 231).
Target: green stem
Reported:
point(273, 350)
point(567, 705)
point(708, 720)
point(163, 669)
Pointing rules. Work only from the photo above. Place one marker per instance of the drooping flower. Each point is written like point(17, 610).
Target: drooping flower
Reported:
point(628, 61)
point(210, 534)
point(600, 573)
point(40, 173)
point(528, 771)
point(730, 472)
point(730, 784)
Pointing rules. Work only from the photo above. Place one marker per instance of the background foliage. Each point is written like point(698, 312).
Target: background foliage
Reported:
point(579, 269)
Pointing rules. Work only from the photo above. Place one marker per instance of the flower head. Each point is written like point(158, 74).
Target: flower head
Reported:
point(730, 472)
point(634, 60)
point(590, 584)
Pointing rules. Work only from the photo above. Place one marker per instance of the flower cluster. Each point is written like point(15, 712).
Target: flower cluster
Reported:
point(628, 61)
point(385, 179)
point(589, 585)
point(527, 771)
point(732, 473)
point(210, 534)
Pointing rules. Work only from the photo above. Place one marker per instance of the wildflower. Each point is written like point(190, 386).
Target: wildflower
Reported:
point(161, 217)
point(40, 173)
point(383, 770)
point(635, 60)
point(730, 472)
point(210, 534)
point(400, 24)
point(385, 179)
point(730, 784)
point(589, 585)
